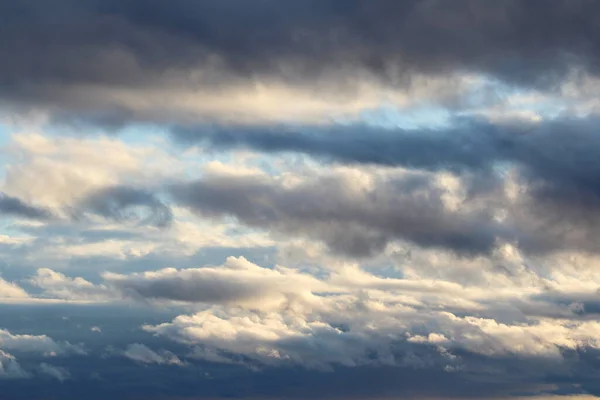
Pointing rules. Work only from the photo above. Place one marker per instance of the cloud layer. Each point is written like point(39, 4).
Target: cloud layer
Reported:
point(303, 199)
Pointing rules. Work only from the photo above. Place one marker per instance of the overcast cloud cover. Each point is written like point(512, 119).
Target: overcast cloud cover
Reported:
point(299, 199)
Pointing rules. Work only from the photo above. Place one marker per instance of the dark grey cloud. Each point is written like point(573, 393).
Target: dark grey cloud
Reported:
point(192, 287)
point(557, 157)
point(350, 219)
point(237, 282)
point(16, 207)
point(123, 203)
point(359, 220)
point(45, 47)
point(470, 145)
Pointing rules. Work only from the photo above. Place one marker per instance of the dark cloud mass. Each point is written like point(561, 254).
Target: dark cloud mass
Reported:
point(47, 46)
point(556, 160)
point(349, 218)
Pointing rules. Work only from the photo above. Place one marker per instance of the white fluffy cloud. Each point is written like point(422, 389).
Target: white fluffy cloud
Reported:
point(58, 286)
point(9, 290)
point(40, 344)
point(357, 318)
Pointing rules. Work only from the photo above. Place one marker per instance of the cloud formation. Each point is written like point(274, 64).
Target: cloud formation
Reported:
point(237, 282)
point(58, 373)
point(13, 206)
point(127, 50)
point(10, 368)
point(142, 354)
point(318, 199)
point(117, 203)
point(40, 344)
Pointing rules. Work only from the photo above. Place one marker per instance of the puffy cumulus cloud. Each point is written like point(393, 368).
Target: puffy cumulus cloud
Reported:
point(59, 173)
point(10, 368)
point(40, 344)
point(428, 319)
point(142, 354)
point(9, 290)
point(373, 332)
point(236, 282)
point(506, 321)
point(59, 373)
point(356, 319)
point(56, 285)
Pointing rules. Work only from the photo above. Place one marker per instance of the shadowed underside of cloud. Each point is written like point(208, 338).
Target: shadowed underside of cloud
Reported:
point(359, 214)
point(350, 216)
point(560, 154)
point(16, 207)
point(76, 59)
point(238, 282)
point(520, 41)
point(119, 203)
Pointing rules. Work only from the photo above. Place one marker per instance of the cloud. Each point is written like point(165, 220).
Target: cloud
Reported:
point(358, 319)
point(41, 344)
point(119, 203)
point(142, 354)
point(140, 49)
point(59, 373)
point(9, 290)
point(359, 211)
point(58, 286)
point(10, 368)
point(404, 193)
point(389, 336)
point(548, 153)
point(237, 282)
point(353, 212)
point(15, 207)
point(58, 172)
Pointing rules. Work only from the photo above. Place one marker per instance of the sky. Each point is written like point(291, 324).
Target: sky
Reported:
point(299, 199)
